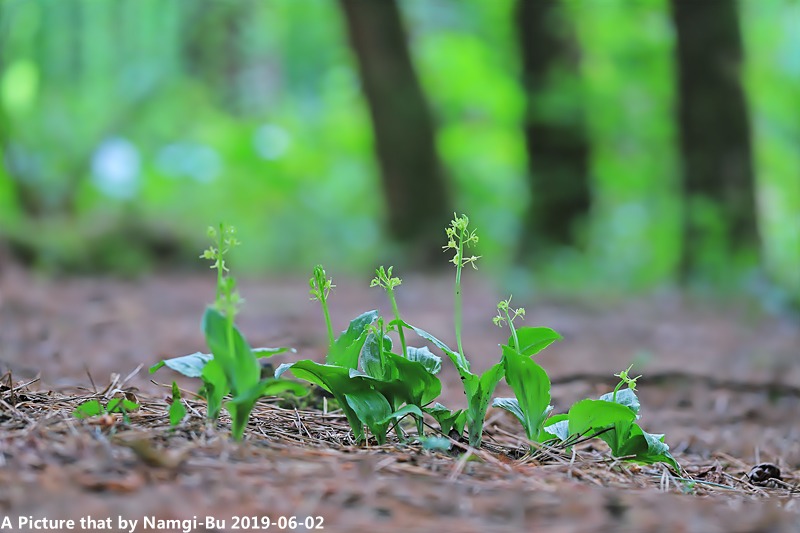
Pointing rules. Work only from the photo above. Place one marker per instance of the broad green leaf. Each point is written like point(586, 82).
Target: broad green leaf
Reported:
point(589, 415)
point(458, 359)
point(448, 420)
point(346, 349)
point(121, 405)
point(269, 352)
point(176, 409)
point(234, 355)
point(189, 365)
point(657, 450)
point(192, 365)
point(88, 409)
point(403, 411)
point(215, 388)
point(372, 409)
point(555, 426)
point(273, 387)
point(409, 381)
point(479, 393)
point(625, 397)
point(241, 406)
point(431, 362)
point(533, 340)
point(645, 448)
point(531, 387)
point(337, 381)
point(511, 405)
point(372, 356)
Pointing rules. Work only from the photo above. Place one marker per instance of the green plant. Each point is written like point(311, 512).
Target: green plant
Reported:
point(478, 388)
point(373, 386)
point(91, 408)
point(232, 367)
point(177, 411)
point(376, 388)
point(612, 418)
point(528, 380)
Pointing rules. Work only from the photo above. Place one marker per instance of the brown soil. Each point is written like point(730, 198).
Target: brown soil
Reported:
point(720, 379)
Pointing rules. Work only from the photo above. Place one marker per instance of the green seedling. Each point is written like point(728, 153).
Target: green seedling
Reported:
point(177, 411)
point(612, 419)
point(232, 367)
point(92, 408)
point(528, 380)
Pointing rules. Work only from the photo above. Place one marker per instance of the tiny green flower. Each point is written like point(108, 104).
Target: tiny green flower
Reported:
point(458, 238)
point(505, 312)
point(320, 284)
point(625, 378)
point(384, 279)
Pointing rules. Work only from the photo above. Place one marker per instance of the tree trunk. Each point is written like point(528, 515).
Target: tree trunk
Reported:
point(558, 150)
point(413, 179)
point(718, 177)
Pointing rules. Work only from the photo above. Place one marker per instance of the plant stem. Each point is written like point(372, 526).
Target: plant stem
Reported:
point(513, 330)
point(327, 314)
point(457, 304)
point(390, 293)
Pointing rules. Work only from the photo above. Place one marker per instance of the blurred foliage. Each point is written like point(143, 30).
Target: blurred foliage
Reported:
point(137, 123)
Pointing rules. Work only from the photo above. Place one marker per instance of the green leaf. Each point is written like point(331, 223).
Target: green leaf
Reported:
point(269, 352)
point(657, 450)
point(408, 381)
point(372, 356)
point(273, 387)
point(533, 340)
point(531, 387)
point(121, 405)
point(588, 415)
point(372, 409)
point(555, 426)
point(645, 448)
point(511, 405)
point(215, 388)
point(234, 355)
point(176, 409)
point(192, 365)
point(458, 360)
point(448, 420)
point(88, 409)
point(241, 406)
point(431, 362)
point(346, 349)
point(189, 365)
point(479, 393)
point(403, 411)
point(336, 380)
point(626, 397)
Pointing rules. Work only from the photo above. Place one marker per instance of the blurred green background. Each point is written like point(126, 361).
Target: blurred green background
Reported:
point(618, 143)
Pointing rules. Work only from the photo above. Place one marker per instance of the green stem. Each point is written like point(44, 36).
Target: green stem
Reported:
point(390, 293)
point(327, 314)
point(614, 396)
point(232, 354)
point(457, 304)
point(220, 263)
point(513, 330)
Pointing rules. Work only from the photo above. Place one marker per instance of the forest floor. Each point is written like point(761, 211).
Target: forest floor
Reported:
point(721, 379)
